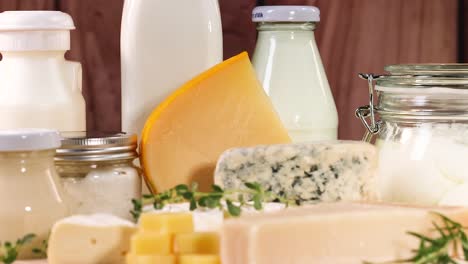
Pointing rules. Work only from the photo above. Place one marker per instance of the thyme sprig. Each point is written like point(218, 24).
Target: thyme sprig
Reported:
point(9, 251)
point(233, 200)
point(442, 249)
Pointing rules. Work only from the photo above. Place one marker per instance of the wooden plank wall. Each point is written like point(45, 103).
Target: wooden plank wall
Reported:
point(354, 36)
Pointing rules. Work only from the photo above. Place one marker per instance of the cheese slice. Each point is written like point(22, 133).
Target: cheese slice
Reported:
point(94, 239)
point(341, 233)
point(222, 108)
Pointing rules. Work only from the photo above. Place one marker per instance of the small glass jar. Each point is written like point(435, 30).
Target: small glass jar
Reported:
point(30, 190)
point(422, 136)
point(98, 173)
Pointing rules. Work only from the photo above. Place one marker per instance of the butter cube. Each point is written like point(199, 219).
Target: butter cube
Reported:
point(170, 223)
point(151, 244)
point(197, 243)
point(199, 259)
point(151, 259)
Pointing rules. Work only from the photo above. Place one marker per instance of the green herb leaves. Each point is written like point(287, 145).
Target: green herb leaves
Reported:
point(232, 200)
point(9, 251)
point(441, 249)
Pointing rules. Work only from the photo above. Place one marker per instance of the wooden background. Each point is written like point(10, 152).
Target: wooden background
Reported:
point(354, 36)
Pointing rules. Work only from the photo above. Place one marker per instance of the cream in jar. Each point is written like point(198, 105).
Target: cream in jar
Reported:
point(422, 136)
point(30, 191)
point(98, 173)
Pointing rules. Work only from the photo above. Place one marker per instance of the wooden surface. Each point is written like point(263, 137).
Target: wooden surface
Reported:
point(354, 36)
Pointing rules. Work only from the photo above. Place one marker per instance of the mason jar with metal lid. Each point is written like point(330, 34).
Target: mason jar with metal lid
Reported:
point(422, 134)
point(98, 173)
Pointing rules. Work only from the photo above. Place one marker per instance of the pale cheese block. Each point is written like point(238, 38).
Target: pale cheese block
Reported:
point(93, 239)
point(308, 172)
point(338, 233)
point(222, 108)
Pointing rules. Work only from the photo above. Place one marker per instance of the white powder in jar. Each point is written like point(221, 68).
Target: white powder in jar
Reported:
point(106, 190)
point(428, 165)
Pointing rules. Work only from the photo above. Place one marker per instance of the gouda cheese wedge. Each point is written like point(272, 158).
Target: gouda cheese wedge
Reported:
point(222, 108)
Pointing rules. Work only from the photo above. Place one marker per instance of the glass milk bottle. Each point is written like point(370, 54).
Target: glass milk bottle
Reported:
point(289, 66)
point(165, 43)
point(38, 87)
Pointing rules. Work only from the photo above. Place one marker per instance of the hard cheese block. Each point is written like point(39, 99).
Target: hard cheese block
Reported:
point(339, 233)
point(310, 172)
point(95, 239)
point(223, 108)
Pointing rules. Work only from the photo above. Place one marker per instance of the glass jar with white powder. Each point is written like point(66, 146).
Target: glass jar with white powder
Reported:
point(98, 173)
point(423, 133)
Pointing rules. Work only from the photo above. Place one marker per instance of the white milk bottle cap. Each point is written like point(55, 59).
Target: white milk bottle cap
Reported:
point(286, 14)
point(35, 30)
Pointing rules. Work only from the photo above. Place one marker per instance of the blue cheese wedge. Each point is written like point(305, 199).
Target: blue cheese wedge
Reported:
point(308, 173)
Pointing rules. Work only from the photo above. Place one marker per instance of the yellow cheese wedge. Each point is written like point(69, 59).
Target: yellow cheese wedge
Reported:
point(151, 244)
point(167, 223)
point(151, 259)
point(222, 108)
point(196, 243)
point(199, 259)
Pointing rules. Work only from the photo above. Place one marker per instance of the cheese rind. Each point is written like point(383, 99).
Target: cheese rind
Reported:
point(222, 108)
point(339, 233)
point(94, 239)
point(308, 172)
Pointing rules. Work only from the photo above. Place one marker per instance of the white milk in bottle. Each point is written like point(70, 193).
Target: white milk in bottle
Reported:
point(165, 43)
point(289, 66)
point(38, 87)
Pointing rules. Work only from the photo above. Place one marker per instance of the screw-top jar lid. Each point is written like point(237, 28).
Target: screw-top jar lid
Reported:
point(28, 140)
point(80, 146)
point(35, 30)
point(286, 14)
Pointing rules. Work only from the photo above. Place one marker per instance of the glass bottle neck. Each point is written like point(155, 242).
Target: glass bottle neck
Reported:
point(286, 26)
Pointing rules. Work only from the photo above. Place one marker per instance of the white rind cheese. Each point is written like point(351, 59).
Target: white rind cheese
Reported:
point(94, 239)
point(308, 173)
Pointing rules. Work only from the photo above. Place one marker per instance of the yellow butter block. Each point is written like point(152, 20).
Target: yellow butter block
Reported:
point(196, 243)
point(151, 244)
point(199, 259)
point(151, 259)
point(170, 223)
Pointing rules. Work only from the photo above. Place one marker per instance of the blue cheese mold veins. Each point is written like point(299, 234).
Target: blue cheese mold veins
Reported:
point(308, 172)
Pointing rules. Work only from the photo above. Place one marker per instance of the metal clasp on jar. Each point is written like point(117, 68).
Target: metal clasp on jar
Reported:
point(368, 111)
